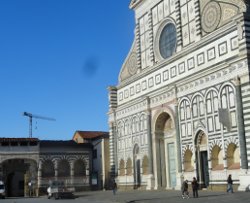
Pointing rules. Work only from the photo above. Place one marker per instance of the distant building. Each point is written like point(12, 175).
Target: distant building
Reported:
point(67, 161)
point(181, 107)
point(30, 160)
point(100, 143)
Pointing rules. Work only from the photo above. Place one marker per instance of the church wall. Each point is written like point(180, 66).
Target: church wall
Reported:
point(209, 61)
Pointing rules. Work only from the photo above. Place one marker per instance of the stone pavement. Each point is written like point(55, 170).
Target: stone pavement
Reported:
point(170, 196)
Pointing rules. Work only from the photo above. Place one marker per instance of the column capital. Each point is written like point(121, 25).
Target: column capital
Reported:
point(236, 81)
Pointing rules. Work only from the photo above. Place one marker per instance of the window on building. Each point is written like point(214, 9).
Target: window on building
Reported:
point(94, 154)
point(167, 43)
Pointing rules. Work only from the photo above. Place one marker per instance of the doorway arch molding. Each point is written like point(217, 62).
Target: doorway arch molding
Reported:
point(215, 143)
point(157, 113)
point(231, 140)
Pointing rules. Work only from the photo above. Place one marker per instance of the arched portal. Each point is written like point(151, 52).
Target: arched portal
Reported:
point(164, 128)
point(17, 174)
point(137, 167)
point(202, 159)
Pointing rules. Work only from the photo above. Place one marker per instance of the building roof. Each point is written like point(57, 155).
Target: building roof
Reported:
point(62, 143)
point(7, 139)
point(91, 134)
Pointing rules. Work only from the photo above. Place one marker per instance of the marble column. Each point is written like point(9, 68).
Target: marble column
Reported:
point(150, 154)
point(178, 141)
point(241, 129)
point(56, 169)
point(72, 172)
point(39, 175)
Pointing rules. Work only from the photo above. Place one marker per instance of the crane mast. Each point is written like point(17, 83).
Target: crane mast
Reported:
point(31, 116)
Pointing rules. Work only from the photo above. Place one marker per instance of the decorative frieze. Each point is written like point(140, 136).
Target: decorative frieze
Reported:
point(196, 61)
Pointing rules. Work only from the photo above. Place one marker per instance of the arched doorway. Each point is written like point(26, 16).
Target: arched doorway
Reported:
point(202, 159)
point(137, 167)
point(17, 173)
point(165, 165)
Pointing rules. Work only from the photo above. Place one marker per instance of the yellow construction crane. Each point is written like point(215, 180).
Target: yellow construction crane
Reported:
point(31, 116)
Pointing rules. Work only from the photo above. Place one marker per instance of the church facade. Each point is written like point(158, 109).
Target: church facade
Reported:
point(182, 105)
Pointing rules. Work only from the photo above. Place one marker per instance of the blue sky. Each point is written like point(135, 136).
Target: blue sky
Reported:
point(57, 58)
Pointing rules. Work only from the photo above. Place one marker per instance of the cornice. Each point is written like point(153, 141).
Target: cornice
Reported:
point(134, 3)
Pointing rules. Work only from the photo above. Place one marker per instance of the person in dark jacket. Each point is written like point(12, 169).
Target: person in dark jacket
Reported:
point(195, 187)
point(184, 187)
point(230, 184)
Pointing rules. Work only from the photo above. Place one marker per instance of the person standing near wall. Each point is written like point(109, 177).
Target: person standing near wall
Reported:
point(229, 184)
point(195, 187)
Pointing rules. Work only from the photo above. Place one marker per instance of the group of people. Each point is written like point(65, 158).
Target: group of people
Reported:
point(195, 187)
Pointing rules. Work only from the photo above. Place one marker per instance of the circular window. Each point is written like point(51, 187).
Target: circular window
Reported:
point(167, 41)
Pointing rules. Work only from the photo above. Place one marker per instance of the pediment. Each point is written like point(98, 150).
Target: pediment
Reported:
point(129, 67)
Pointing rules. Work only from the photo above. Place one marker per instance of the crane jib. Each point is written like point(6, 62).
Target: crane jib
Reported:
point(31, 116)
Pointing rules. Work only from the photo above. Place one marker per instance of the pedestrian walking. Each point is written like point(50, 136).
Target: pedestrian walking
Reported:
point(114, 188)
point(185, 193)
point(195, 187)
point(230, 184)
point(30, 188)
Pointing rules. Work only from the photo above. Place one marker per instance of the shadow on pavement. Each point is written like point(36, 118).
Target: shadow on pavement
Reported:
point(174, 197)
point(138, 200)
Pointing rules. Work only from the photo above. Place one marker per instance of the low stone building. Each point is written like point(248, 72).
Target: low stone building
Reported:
point(66, 161)
point(18, 158)
point(30, 160)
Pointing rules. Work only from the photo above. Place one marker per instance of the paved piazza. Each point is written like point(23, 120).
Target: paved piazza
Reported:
point(141, 197)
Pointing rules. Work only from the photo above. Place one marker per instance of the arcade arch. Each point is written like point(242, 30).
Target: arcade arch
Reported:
point(187, 162)
point(48, 169)
point(63, 168)
point(233, 157)
point(79, 168)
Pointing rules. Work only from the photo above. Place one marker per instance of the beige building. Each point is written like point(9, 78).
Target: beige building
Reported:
point(181, 107)
point(101, 165)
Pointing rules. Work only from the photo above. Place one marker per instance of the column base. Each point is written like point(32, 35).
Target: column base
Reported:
point(150, 182)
